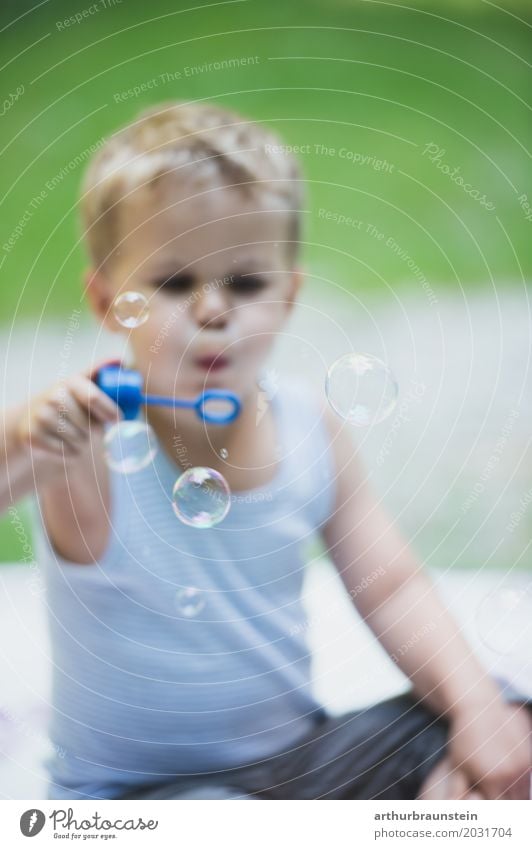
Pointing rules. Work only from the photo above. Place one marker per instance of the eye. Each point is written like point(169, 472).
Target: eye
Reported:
point(176, 283)
point(246, 283)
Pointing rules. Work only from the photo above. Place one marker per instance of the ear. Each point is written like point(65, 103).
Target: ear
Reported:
point(296, 281)
point(99, 293)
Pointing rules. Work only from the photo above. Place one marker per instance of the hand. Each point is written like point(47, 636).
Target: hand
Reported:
point(58, 423)
point(492, 748)
point(446, 782)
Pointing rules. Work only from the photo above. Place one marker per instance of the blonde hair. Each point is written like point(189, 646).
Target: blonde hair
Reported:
point(217, 142)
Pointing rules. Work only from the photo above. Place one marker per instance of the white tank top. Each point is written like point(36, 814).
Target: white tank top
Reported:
point(141, 692)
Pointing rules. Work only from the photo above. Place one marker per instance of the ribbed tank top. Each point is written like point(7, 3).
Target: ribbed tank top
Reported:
point(143, 693)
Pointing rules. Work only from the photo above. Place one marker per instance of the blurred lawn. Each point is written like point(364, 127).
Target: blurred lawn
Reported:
point(379, 80)
point(374, 78)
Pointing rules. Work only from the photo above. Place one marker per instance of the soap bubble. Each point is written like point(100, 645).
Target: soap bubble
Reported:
point(504, 620)
point(129, 446)
point(201, 497)
point(131, 309)
point(361, 389)
point(189, 601)
point(224, 453)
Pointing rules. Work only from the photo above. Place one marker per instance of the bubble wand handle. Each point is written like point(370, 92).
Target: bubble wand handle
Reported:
point(200, 405)
point(165, 401)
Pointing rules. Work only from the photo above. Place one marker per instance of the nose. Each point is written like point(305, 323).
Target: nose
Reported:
point(210, 308)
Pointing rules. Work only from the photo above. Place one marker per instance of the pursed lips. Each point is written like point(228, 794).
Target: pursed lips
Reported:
point(213, 362)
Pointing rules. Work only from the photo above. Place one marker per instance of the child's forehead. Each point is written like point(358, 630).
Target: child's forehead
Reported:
point(189, 224)
point(207, 199)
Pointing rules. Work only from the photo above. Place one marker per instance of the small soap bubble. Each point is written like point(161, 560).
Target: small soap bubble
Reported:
point(131, 309)
point(129, 446)
point(224, 453)
point(504, 620)
point(189, 602)
point(201, 497)
point(361, 389)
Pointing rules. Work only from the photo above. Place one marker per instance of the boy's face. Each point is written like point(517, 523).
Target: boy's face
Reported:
point(218, 282)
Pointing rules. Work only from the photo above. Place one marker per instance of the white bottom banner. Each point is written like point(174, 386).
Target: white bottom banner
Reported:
point(235, 823)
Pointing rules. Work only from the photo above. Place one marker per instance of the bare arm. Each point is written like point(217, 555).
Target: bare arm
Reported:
point(489, 741)
point(399, 603)
point(52, 445)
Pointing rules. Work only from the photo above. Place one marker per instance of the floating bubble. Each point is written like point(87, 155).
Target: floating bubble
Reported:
point(201, 497)
point(189, 602)
point(224, 453)
point(131, 309)
point(361, 389)
point(504, 620)
point(129, 446)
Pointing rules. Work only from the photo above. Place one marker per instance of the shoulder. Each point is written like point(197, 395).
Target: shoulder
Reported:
point(349, 470)
point(310, 411)
point(340, 433)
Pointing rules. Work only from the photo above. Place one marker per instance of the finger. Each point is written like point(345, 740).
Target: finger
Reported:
point(49, 456)
point(491, 789)
point(520, 787)
point(95, 402)
point(83, 419)
point(497, 789)
point(68, 436)
point(93, 370)
point(436, 783)
point(473, 796)
point(69, 414)
point(78, 416)
point(65, 411)
point(508, 785)
point(57, 426)
point(459, 785)
point(50, 443)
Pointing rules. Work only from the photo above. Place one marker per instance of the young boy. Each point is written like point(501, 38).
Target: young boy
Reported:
point(197, 209)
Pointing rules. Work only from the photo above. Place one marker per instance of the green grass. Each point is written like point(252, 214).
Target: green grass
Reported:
point(379, 80)
point(16, 536)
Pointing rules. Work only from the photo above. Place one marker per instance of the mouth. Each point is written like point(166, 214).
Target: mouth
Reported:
point(212, 362)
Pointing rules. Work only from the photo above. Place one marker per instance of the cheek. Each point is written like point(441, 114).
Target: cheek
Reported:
point(261, 317)
point(259, 331)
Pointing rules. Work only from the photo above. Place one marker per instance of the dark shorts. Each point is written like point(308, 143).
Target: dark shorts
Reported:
point(384, 751)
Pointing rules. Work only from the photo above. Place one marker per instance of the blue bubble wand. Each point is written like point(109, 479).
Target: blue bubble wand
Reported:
point(124, 387)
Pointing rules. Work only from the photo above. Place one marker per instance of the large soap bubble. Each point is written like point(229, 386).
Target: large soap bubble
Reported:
point(131, 309)
point(361, 389)
point(201, 497)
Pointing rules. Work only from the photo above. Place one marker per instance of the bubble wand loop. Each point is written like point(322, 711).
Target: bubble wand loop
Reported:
point(124, 387)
